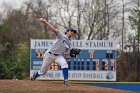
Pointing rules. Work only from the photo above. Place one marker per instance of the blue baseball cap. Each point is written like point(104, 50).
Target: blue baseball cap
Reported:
point(72, 29)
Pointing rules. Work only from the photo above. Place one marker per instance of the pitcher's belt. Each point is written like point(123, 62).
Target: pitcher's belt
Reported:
point(53, 54)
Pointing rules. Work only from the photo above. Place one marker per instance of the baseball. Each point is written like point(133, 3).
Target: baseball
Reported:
point(40, 19)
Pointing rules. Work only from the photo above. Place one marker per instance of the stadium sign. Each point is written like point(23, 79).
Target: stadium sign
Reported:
point(96, 61)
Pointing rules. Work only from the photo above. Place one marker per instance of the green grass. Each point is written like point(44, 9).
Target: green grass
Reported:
point(92, 82)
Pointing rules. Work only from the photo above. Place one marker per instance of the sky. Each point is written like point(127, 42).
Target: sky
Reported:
point(17, 3)
point(14, 3)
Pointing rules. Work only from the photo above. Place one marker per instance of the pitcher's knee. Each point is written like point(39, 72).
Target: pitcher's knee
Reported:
point(42, 72)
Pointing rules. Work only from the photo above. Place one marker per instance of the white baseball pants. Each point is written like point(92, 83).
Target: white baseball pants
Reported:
point(48, 58)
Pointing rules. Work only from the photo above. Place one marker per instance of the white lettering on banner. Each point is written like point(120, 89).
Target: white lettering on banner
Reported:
point(53, 75)
point(82, 44)
point(36, 67)
point(37, 62)
point(57, 75)
point(50, 75)
point(40, 50)
point(93, 75)
point(75, 75)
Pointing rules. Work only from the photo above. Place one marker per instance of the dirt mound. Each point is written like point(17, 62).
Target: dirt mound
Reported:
point(27, 85)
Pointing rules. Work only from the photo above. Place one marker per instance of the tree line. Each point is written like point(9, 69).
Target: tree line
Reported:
point(94, 20)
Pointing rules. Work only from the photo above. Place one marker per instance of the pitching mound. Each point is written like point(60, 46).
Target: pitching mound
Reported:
point(27, 85)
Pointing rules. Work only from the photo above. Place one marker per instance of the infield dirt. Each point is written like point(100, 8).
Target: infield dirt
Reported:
point(27, 85)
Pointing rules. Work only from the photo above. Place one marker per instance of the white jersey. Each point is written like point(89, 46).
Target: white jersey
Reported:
point(61, 44)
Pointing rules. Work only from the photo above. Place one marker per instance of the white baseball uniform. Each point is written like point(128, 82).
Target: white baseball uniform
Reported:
point(54, 53)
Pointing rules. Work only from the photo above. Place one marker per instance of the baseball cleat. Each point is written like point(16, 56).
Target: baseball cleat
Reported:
point(66, 83)
point(33, 77)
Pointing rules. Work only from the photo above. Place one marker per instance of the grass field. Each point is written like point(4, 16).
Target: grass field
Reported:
point(93, 82)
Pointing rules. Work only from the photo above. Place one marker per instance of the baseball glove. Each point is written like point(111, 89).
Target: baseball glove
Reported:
point(74, 52)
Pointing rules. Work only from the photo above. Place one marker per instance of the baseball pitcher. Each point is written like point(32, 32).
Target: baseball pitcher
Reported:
point(54, 53)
